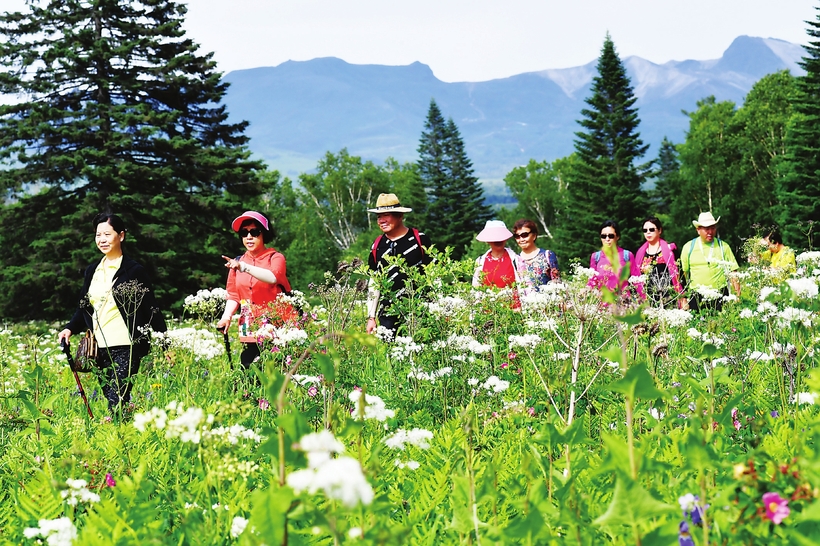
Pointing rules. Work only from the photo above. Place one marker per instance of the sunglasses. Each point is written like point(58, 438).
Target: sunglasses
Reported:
point(649, 230)
point(608, 235)
point(255, 232)
point(523, 235)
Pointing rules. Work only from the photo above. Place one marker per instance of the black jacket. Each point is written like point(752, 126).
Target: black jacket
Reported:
point(135, 301)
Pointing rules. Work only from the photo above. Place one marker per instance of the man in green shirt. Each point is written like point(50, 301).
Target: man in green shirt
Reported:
point(707, 262)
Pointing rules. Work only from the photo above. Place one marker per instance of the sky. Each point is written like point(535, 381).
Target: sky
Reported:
point(478, 40)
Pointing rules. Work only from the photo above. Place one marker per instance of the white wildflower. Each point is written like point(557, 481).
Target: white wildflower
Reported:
point(495, 385)
point(527, 341)
point(803, 288)
point(759, 356)
point(238, 526)
point(806, 398)
point(687, 502)
point(374, 407)
point(417, 437)
point(791, 315)
point(56, 532)
point(340, 479)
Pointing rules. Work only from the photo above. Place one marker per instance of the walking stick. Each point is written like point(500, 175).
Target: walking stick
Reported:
point(67, 351)
point(227, 344)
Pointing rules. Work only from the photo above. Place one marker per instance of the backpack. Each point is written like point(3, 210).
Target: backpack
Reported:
point(379, 240)
point(626, 254)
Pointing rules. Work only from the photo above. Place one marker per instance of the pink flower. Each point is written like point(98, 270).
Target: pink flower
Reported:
point(504, 365)
point(531, 411)
point(511, 356)
point(109, 480)
point(287, 360)
point(312, 391)
point(777, 508)
point(264, 404)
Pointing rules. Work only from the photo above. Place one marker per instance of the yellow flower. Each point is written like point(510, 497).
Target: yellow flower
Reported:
point(739, 470)
point(156, 385)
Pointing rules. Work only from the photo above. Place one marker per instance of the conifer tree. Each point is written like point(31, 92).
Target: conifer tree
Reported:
point(457, 211)
point(120, 112)
point(606, 180)
point(799, 187)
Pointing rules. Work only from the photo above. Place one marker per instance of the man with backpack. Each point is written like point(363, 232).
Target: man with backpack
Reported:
point(396, 240)
point(707, 262)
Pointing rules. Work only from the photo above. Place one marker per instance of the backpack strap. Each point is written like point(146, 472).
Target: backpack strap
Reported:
point(375, 246)
point(597, 258)
point(418, 240)
point(627, 255)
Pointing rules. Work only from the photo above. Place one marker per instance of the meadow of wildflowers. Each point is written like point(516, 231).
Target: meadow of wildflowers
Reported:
point(569, 420)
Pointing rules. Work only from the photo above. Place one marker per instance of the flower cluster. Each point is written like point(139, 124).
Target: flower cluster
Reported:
point(417, 437)
point(56, 532)
point(282, 336)
point(78, 492)
point(672, 318)
point(526, 341)
point(494, 385)
point(405, 348)
point(432, 377)
point(206, 304)
point(339, 478)
point(202, 343)
point(372, 407)
point(446, 306)
point(191, 425)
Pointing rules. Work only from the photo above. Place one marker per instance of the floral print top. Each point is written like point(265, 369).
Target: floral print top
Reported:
point(540, 269)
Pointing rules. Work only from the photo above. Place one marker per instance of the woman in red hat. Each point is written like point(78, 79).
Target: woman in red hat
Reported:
point(255, 280)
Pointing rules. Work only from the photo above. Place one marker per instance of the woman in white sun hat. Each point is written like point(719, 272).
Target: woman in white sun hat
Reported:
point(498, 266)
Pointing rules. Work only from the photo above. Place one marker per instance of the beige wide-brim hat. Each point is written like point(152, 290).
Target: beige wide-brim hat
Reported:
point(705, 219)
point(388, 202)
point(494, 232)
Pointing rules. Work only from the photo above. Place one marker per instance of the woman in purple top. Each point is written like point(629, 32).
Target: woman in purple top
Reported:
point(606, 275)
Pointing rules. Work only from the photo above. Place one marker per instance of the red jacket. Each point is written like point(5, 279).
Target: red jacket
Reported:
point(244, 286)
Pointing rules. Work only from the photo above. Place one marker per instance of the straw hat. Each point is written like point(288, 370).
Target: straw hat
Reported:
point(388, 202)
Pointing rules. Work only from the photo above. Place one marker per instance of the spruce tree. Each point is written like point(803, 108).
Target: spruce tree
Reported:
point(120, 112)
point(799, 187)
point(606, 180)
point(457, 211)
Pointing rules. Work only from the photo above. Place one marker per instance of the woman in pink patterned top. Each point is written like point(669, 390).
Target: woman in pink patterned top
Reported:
point(656, 260)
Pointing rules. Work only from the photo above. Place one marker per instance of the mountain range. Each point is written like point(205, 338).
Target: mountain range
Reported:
point(299, 110)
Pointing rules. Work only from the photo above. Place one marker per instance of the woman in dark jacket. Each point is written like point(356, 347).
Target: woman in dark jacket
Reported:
point(117, 304)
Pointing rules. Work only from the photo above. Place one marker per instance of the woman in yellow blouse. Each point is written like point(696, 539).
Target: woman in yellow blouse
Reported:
point(778, 256)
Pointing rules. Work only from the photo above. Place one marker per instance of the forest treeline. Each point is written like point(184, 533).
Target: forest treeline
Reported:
point(118, 110)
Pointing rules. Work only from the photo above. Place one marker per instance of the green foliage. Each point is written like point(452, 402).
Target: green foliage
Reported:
point(123, 114)
point(605, 182)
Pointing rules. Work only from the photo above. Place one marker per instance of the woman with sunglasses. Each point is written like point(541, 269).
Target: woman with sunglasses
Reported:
point(256, 278)
point(497, 267)
point(607, 275)
point(656, 260)
point(536, 266)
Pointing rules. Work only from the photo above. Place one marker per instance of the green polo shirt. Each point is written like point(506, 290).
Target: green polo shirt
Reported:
point(708, 264)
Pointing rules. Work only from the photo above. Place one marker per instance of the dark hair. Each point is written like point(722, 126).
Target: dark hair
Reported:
point(112, 219)
point(524, 223)
point(612, 224)
point(654, 221)
point(267, 234)
point(775, 237)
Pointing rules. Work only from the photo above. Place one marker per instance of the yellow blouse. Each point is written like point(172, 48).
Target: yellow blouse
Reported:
point(109, 325)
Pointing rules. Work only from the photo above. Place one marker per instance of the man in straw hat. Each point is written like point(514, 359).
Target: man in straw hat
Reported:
point(396, 240)
point(707, 261)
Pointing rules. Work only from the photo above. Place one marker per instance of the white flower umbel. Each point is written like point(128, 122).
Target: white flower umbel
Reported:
point(673, 318)
point(405, 348)
point(420, 375)
point(417, 437)
point(804, 287)
point(765, 292)
point(494, 385)
point(809, 398)
point(791, 315)
point(708, 293)
point(808, 258)
point(56, 532)
point(526, 341)
point(759, 356)
point(202, 343)
point(687, 502)
point(746, 313)
point(78, 492)
point(446, 306)
point(547, 324)
point(282, 336)
point(466, 343)
point(374, 407)
point(384, 334)
point(238, 526)
point(340, 478)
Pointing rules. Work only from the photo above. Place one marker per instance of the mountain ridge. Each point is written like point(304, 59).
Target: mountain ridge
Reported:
point(299, 110)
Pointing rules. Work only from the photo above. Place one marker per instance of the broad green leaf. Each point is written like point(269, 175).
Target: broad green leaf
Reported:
point(632, 504)
point(326, 365)
point(614, 354)
point(637, 383)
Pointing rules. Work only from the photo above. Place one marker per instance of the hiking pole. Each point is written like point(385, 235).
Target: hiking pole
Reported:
point(227, 344)
point(67, 351)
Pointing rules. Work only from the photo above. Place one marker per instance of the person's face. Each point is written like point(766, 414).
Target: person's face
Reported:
point(707, 234)
point(651, 233)
point(390, 221)
point(497, 245)
point(609, 237)
point(525, 238)
point(108, 240)
point(771, 246)
point(251, 234)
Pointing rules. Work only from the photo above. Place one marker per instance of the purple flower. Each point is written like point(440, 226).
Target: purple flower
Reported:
point(312, 391)
point(109, 480)
point(684, 538)
point(264, 404)
point(775, 413)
